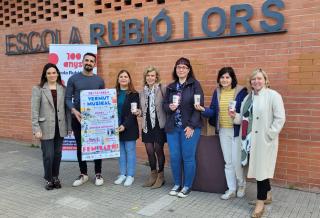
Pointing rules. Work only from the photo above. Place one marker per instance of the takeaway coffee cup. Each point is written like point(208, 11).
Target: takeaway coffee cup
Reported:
point(175, 99)
point(197, 99)
point(232, 106)
point(134, 107)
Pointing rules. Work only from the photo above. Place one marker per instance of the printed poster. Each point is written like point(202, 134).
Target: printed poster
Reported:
point(68, 58)
point(99, 121)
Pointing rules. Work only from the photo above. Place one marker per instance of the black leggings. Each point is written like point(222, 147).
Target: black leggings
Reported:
point(153, 149)
point(262, 189)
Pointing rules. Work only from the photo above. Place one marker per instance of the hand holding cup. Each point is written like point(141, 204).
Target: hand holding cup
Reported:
point(199, 107)
point(176, 100)
point(197, 99)
point(134, 107)
point(232, 109)
point(232, 105)
point(137, 113)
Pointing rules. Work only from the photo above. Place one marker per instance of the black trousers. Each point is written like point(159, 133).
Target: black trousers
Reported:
point(76, 128)
point(51, 156)
point(262, 189)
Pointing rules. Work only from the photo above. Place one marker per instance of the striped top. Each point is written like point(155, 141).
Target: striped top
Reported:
point(226, 96)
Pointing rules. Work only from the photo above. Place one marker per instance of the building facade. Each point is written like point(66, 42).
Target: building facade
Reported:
point(280, 36)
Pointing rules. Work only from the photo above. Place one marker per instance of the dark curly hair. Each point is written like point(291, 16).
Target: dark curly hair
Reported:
point(232, 74)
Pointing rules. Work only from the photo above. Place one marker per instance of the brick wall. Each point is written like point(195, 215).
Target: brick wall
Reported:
point(292, 60)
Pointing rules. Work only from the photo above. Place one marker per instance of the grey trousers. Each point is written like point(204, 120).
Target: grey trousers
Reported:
point(51, 155)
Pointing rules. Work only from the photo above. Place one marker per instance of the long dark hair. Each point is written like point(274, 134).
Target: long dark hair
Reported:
point(186, 62)
point(130, 85)
point(44, 79)
point(231, 73)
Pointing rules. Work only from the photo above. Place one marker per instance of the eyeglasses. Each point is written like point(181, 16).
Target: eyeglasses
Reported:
point(182, 68)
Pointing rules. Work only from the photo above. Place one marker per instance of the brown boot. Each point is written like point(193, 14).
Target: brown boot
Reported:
point(269, 198)
point(160, 181)
point(259, 210)
point(152, 179)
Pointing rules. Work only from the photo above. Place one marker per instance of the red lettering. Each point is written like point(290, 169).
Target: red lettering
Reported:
point(78, 56)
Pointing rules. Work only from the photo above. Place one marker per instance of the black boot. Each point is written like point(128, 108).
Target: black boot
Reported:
point(49, 185)
point(56, 183)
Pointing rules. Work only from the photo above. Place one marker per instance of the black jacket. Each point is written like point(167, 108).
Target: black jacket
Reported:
point(190, 116)
point(128, 120)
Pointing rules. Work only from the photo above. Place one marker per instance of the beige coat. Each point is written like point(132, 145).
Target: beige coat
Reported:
point(43, 111)
point(160, 94)
point(268, 120)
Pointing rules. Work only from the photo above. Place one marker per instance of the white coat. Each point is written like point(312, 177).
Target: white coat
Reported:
point(268, 120)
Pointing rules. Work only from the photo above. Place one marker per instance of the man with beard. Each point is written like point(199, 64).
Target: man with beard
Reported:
point(78, 82)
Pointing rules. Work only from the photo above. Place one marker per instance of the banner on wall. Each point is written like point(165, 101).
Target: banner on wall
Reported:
point(68, 58)
point(99, 121)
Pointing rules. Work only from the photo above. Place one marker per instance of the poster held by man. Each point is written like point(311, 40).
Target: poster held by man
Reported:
point(98, 124)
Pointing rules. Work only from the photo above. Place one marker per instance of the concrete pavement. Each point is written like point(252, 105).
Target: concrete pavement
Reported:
point(22, 194)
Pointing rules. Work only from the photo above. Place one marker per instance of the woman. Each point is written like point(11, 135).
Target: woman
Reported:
point(228, 92)
point(154, 118)
point(49, 121)
point(128, 127)
point(262, 117)
point(183, 125)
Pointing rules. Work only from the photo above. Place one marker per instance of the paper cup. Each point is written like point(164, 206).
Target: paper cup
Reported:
point(232, 106)
point(197, 99)
point(175, 99)
point(134, 107)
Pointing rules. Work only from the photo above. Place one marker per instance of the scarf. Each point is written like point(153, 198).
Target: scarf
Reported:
point(178, 115)
point(246, 127)
point(150, 95)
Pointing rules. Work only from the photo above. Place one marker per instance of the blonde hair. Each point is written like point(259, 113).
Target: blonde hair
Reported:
point(148, 70)
point(254, 73)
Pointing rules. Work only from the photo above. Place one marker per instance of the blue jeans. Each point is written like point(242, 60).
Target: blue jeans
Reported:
point(183, 151)
point(127, 160)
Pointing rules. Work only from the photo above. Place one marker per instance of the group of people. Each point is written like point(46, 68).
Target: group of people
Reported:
point(248, 121)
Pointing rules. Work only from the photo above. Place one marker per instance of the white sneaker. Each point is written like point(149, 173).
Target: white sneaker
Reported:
point(99, 180)
point(175, 190)
point(228, 194)
point(129, 181)
point(120, 179)
point(184, 192)
point(80, 180)
point(241, 191)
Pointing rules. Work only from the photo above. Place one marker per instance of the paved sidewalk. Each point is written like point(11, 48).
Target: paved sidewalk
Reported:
point(22, 194)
